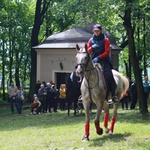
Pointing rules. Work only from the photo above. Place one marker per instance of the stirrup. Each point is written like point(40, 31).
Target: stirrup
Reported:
point(115, 99)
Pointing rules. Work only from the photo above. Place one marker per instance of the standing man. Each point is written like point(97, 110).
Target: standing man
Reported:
point(76, 84)
point(42, 97)
point(49, 101)
point(134, 95)
point(146, 86)
point(99, 46)
point(13, 92)
point(38, 85)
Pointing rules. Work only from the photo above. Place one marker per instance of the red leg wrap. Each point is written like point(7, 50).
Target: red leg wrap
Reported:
point(106, 116)
point(87, 128)
point(97, 126)
point(113, 120)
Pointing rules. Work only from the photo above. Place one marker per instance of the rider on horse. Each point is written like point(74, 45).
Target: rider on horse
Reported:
point(99, 46)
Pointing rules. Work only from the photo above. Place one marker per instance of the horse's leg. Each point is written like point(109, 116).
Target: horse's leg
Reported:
point(69, 101)
point(75, 106)
point(106, 117)
point(87, 121)
point(99, 130)
point(113, 119)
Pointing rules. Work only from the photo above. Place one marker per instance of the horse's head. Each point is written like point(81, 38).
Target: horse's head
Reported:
point(83, 59)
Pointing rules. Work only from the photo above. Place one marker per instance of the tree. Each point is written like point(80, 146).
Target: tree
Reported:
point(40, 12)
point(14, 42)
point(132, 51)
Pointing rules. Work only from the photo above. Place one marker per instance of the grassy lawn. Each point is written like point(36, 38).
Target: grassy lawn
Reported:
point(57, 131)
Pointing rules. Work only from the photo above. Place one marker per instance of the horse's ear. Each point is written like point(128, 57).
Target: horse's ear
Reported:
point(77, 47)
point(86, 47)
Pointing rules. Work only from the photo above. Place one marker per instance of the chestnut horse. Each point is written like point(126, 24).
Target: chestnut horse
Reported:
point(93, 90)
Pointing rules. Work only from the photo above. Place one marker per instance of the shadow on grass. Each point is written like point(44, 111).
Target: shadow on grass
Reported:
point(48, 120)
point(133, 116)
point(97, 142)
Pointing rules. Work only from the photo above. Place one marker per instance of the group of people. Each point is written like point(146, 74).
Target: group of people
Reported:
point(45, 99)
point(132, 94)
point(48, 97)
point(16, 96)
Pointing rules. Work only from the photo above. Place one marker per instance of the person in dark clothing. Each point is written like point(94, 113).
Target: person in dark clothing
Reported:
point(134, 95)
point(49, 97)
point(99, 46)
point(55, 96)
point(146, 85)
point(76, 84)
point(125, 100)
point(69, 93)
point(42, 97)
point(38, 85)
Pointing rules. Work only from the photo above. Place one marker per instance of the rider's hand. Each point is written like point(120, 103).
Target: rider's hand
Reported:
point(95, 46)
point(95, 60)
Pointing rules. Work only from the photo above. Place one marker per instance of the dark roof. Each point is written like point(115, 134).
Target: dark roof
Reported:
point(78, 35)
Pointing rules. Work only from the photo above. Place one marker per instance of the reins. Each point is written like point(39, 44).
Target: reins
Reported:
point(88, 70)
point(89, 77)
point(85, 65)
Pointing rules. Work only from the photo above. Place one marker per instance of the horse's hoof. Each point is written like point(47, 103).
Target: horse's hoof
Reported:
point(100, 132)
point(110, 132)
point(107, 130)
point(85, 138)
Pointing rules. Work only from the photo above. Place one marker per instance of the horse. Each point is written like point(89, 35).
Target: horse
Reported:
point(93, 90)
point(72, 93)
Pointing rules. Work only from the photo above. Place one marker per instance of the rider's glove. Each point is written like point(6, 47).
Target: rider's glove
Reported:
point(93, 47)
point(95, 60)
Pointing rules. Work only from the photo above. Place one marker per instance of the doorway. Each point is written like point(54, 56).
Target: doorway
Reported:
point(61, 78)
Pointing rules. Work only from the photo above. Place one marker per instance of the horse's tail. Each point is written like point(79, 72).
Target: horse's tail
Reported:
point(124, 82)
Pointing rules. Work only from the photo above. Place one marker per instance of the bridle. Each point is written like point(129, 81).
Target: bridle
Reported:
point(85, 65)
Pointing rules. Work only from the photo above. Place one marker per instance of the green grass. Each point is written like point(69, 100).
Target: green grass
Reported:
point(57, 131)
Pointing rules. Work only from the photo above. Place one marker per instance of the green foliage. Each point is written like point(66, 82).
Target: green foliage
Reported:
point(16, 24)
point(17, 17)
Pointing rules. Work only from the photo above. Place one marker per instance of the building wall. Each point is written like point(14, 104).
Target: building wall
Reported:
point(48, 63)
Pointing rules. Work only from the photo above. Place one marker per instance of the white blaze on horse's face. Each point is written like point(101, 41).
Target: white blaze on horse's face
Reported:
point(81, 61)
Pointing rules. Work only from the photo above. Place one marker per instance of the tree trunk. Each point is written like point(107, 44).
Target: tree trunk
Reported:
point(134, 60)
point(3, 72)
point(17, 76)
point(34, 42)
point(144, 43)
point(10, 57)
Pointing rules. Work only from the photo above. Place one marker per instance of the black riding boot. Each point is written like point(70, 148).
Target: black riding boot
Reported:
point(113, 88)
